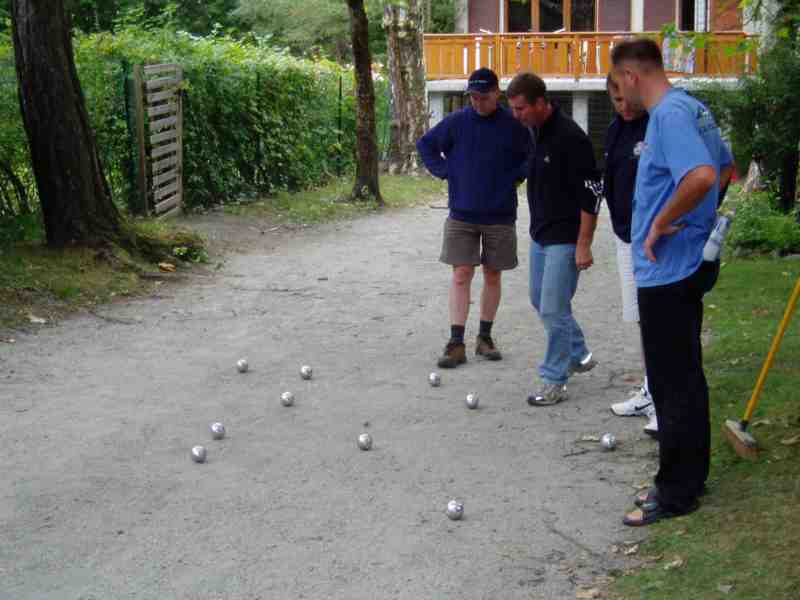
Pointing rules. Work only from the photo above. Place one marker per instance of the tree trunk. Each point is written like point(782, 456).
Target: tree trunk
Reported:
point(404, 26)
point(366, 186)
point(787, 181)
point(73, 191)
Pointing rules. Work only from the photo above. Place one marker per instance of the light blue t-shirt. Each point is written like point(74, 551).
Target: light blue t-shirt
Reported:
point(682, 135)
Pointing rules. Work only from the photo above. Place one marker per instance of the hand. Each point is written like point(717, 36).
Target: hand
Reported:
point(656, 232)
point(583, 257)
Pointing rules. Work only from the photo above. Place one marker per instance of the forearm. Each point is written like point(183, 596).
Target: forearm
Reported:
point(690, 193)
point(725, 176)
point(586, 232)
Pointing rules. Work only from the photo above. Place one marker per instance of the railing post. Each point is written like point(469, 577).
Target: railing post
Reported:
point(576, 56)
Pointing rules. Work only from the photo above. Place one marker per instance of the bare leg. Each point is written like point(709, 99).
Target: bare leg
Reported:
point(490, 296)
point(460, 294)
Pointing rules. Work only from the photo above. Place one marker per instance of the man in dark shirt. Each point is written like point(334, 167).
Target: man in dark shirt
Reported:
point(564, 194)
point(622, 149)
point(481, 152)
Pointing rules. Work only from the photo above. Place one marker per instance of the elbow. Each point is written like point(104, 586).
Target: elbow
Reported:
point(709, 176)
point(706, 177)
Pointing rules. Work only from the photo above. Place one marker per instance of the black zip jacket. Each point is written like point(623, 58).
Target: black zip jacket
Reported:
point(622, 149)
point(562, 180)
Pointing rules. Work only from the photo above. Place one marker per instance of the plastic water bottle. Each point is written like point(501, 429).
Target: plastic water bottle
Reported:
point(713, 246)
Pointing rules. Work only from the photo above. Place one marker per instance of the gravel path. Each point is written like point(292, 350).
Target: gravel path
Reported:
point(101, 501)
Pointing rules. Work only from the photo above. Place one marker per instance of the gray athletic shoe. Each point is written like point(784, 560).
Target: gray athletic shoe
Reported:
point(548, 395)
point(587, 364)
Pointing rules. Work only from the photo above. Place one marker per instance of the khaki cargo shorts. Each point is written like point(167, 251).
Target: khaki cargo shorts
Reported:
point(468, 244)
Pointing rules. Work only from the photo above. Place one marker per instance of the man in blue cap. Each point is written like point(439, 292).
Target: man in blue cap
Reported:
point(481, 151)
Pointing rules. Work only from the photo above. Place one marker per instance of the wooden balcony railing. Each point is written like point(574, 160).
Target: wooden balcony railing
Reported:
point(574, 55)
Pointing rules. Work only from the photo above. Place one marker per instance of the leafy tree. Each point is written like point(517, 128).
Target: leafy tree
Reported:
point(322, 26)
point(312, 26)
point(195, 16)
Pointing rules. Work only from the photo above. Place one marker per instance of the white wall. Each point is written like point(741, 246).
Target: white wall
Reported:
point(580, 109)
point(637, 15)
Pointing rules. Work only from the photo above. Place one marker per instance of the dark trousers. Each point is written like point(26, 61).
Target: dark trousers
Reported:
point(671, 318)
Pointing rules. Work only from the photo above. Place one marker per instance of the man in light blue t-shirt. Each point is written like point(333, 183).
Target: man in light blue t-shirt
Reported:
point(682, 165)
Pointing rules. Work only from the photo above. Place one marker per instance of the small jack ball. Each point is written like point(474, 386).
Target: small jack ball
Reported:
point(199, 454)
point(365, 441)
point(217, 431)
point(608, 441)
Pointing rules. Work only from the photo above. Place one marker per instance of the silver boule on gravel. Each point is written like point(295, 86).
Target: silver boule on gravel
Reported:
point(242, 365)
point(472, 400)
point(435, 379)
point(287, 398)
point(217, 431)
point(199, 454)
point(365, 441)
point(608, 441)
point(455, 510)
point(306, 372)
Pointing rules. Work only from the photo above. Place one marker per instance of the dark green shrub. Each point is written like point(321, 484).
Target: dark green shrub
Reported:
point(257, 120)
point(759, 226)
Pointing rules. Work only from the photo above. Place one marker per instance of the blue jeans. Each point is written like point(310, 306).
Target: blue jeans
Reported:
point(553, 281)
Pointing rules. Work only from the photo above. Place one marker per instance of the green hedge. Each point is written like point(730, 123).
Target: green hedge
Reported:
point(256, 120)
point(759, 226)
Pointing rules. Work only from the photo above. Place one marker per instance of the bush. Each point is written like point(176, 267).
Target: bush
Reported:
point(759, 226)
point(256, 120)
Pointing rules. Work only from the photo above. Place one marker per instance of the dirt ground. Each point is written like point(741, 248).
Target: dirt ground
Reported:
point(100, 499)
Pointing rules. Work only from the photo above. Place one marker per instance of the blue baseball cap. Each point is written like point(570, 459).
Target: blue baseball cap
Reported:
point(482, 81)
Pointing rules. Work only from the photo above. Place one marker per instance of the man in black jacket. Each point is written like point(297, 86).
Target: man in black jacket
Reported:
point(564, 193)
point(623, 146)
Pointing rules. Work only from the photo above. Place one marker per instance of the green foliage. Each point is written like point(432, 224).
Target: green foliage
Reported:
point(313, 27)
point(761, 115)
point(257, 120)
point(195, 16)
point(760, 226)
point(442, 17)
point(323, 26)
point(768, 107)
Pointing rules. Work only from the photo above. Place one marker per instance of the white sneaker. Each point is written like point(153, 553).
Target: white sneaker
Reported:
point(635, 406)
point(651, 428)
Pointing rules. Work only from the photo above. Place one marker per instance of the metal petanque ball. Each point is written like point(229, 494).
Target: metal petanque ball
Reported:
point(365, 441)
point(287, 398)
point(435, 379)
point(199, 454)
point(306, 372)
point(455, 510)
point(217, 431)
point(242, 366)
point(608, 441)
point(472, 400)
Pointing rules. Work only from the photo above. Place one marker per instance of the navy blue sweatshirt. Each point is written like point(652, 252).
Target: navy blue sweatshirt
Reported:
point(562, 180)
point(622, 149)
point(483, 159)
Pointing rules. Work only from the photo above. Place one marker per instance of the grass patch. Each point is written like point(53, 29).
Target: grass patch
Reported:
point(746, 534)
point(39, 283)
point(36, 282)
point(326, 204)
